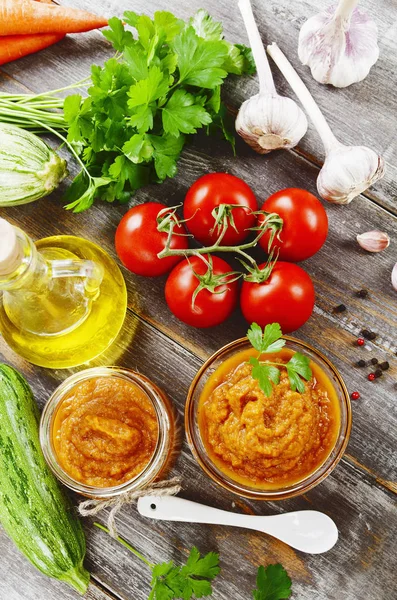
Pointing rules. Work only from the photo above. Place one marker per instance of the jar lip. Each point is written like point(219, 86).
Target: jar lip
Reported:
point(158, 400)
point(297, 488)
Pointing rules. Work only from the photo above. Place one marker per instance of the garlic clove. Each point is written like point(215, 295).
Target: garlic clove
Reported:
point(394, 277)
point(347, 172)
point(271, 122)
point(373, 241)
point(340, 47)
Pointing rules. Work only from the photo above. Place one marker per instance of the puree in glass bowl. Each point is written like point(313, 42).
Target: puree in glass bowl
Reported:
point(105, 431)
point(267, 442)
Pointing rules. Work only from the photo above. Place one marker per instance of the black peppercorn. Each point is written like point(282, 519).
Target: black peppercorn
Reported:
point(368, 335)
point(340, 308)
point(362, 293)
point(384, 366)
point(378, 373)
point(361, 363)
point(374, 361)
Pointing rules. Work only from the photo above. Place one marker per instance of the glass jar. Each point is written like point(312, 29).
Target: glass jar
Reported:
point(280, 493)
point(161, 459)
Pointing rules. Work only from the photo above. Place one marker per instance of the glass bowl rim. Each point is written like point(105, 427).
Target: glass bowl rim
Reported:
point(297, 488)
point(160, 404)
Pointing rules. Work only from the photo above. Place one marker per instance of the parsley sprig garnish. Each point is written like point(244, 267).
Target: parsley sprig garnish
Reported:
point(171, 582)
point(272, 583)
point(269, 341)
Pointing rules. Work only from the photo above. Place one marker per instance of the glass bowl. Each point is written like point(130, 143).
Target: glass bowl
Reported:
point(162, 456)
point(280, 493)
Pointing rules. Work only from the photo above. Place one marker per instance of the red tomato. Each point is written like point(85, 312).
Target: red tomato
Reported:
point(305, 225)
point(287, 297)
point(138, 241)
point(210, 191)
point(209, 308)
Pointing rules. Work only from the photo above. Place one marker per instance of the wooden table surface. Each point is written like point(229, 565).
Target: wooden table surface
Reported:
point(360, 495)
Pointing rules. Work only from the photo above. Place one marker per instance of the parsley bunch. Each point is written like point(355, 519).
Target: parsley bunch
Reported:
point(161, 86)
point(270, 341)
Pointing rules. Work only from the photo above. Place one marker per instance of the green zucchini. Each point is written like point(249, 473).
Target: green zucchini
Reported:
point(33, 509)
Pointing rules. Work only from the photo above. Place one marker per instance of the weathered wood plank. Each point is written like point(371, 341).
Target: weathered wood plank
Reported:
point(363, 510)
point(280, 21)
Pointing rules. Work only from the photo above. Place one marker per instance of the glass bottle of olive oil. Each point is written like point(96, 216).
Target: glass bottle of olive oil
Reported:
point(63, 299)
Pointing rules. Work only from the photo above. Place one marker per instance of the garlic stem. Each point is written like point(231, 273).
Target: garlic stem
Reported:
point(266, 83)
point(307, 100)
point(345, 9)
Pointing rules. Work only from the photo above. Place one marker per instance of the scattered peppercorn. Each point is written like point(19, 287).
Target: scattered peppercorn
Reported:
point(374, 361)
point(362, 293)
point(361, 363)
point(360, 342)
point(340, 308)
point(378, 373)
point(369, 335)
point(384, 366)
point(371, 376)
point(355, 395)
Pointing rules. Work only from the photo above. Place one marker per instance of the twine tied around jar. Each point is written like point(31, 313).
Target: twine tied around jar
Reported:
point(92, 507)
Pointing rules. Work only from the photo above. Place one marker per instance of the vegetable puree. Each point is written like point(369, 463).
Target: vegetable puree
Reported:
point(267, 442)
point(105, 431)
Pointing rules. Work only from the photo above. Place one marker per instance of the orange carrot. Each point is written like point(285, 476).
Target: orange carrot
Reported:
point(26, 17)
point(16, 46)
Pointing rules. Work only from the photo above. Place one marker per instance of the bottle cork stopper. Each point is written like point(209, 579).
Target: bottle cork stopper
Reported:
point(10, 251)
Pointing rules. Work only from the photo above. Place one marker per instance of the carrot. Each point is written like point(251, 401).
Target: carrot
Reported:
point(26, 17)
point(16, 46)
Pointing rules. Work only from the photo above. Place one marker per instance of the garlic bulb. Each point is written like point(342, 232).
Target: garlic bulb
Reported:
point(348, 170)
point(267, 121)
point(339, 45)
point(394, 277)
point(373, 241)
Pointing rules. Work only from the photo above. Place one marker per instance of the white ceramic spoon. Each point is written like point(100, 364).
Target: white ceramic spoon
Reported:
point(305, 530)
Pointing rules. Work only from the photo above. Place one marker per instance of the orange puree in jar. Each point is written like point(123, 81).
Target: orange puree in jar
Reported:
point(105, 431)
point(267, 442)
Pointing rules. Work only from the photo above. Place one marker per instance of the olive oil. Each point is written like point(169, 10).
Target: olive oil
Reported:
point(64, 304)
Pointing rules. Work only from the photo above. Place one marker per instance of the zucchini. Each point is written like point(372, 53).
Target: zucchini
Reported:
point(33, 509)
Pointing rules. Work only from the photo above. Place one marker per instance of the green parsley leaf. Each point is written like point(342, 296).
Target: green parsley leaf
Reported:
point(208, 566)
point(249, 67)
point(200, 61)
point(267, 342)
point(117, 35)
point(82, 192)
point(168, 23)
point(150, 89)
point(272, 583)
point(182, 114)
point(205, 26)
point(298, 365)
point(136, 60)
point(167, 149)
point(138, 149)
point(264, 374)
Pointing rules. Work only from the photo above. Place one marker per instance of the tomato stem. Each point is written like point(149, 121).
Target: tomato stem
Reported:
point(272, 221)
